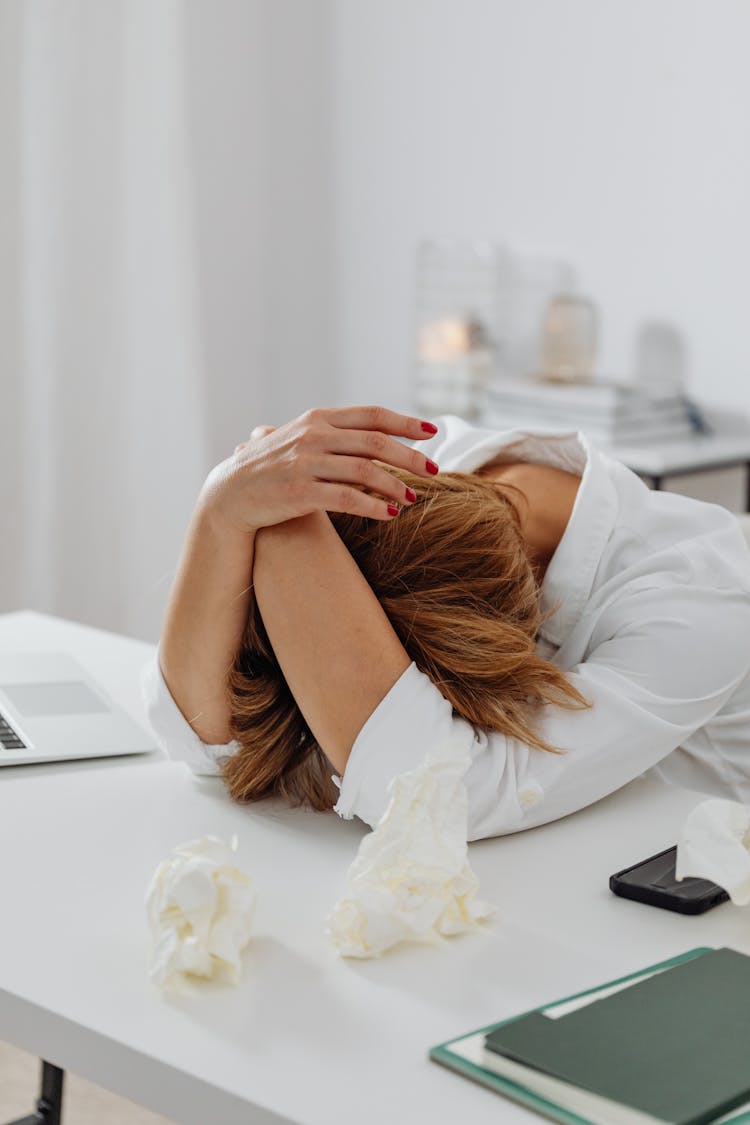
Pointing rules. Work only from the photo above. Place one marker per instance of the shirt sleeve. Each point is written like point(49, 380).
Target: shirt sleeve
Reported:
point(666, 664)
point(172, 729)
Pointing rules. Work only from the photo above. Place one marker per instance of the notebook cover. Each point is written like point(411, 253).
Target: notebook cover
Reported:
point(675, 1046)
point(442, 1054)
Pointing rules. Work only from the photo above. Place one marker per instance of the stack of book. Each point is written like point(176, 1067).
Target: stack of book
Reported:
point(609, 413)
point(670, 1044)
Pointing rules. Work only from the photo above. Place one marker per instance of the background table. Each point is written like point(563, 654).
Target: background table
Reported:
point(699, 454)
point(305, 1037)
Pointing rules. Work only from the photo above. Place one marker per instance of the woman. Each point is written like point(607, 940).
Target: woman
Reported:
point(533, 601)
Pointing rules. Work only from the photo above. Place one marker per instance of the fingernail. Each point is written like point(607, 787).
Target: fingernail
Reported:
point(393, 510)
point(411, 495)
point(431, 466)
point(429, 428)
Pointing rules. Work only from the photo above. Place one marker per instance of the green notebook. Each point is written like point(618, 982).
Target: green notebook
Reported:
point(670, 1043)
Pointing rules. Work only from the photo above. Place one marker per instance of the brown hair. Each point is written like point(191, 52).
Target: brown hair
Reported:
point(452, 573)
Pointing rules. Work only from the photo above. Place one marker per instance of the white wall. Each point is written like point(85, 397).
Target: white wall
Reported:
point(225, 114)
point(10, 305)
point(613, 133)
point(260, 128)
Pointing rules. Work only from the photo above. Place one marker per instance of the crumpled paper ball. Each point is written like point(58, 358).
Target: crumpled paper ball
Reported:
point(199, 906)
point(715, 844)
point(411, 879)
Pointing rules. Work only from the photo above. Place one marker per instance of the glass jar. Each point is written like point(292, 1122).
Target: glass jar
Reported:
point(458, 304)
point(569, 339)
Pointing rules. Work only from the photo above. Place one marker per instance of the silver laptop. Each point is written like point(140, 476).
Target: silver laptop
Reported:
point(50, 708)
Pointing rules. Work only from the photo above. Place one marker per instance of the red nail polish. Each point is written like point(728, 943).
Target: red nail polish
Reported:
point(393, 510)
point(411, 495)
point(429, 428)
point(431, 466)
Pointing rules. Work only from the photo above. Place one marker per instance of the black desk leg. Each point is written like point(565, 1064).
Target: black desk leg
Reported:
point(747, 492)
point(656, 483)
point(49, 1102)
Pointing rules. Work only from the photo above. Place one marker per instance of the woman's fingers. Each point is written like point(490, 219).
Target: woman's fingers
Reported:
point(346, 498)
point(366, 474)
point(333, 460)
point(375, 418)
point(379, 447)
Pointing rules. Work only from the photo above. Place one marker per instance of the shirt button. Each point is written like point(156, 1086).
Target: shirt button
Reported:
point(528, 798)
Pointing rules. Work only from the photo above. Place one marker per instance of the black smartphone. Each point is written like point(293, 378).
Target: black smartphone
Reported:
point(653, 881)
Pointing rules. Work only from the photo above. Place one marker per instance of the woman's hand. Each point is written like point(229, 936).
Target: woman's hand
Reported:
point(320, 461)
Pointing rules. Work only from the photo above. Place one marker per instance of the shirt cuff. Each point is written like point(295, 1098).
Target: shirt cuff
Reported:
point(412, 717)
point(172, 729)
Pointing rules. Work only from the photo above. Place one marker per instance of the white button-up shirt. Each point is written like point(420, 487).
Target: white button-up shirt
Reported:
point(651, 622)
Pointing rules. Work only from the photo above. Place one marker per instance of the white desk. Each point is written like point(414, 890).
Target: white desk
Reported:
point(306, 1037)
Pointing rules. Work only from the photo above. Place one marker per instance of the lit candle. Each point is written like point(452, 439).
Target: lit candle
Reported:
point(445, 339)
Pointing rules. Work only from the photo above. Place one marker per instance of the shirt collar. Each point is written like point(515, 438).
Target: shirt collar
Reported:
point(569, 578)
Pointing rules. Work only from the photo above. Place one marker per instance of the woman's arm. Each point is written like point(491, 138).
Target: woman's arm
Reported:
point(334, 643)
point(205, 620)
point(319, 461)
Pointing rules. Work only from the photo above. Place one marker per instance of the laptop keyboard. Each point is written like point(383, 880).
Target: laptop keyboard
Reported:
point(9, 740)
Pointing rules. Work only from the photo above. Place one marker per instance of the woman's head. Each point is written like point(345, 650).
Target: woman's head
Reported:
point(453, 576)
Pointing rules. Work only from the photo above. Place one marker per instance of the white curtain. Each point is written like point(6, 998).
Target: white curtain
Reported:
point(104, 419)
point(166, 264)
